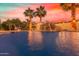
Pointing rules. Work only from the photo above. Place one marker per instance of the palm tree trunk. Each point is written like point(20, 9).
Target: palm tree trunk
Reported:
point(40, 19)
point(50, 27)
point(73, 12)
point(39, 23)
point(30, 24)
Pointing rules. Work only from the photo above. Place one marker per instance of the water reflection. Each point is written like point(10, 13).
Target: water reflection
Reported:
point(62, 39)
point(68, 43)
point(35, 40)
point(75, 42)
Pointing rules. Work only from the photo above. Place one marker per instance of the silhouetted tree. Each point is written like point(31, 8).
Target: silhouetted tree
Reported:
point(40, 12)
point(29, 13)
point(72, 7)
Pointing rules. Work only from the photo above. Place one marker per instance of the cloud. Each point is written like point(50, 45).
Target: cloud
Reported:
point(54, 12)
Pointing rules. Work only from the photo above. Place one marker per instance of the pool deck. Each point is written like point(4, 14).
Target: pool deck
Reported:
point(9, 31)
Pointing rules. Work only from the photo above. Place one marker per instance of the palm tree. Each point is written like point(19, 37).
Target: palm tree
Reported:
point(29, 13)
point(72, 7)
point(40, 12)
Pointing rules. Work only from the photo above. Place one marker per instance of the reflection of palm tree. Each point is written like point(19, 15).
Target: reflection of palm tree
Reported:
point(35, 40)
point(72, 7)
point(29, 13)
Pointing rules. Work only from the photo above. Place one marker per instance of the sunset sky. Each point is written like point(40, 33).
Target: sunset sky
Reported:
point(54, 11)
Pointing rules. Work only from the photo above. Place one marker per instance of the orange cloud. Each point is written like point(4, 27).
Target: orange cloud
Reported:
point(54, 12)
